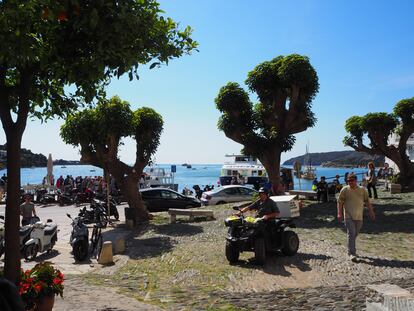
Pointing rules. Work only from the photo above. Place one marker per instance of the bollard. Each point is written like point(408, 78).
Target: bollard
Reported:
point(119, 247)
point(106, 257)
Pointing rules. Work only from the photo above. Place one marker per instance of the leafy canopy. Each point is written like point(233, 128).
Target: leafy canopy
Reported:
point(103, 127)
point(286, 87)
point(50, 44)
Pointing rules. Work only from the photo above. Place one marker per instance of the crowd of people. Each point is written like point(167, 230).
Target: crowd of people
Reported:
point(96, 184)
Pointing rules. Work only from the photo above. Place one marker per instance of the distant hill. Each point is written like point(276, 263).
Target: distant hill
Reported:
point(28, 158)
point(339, 159)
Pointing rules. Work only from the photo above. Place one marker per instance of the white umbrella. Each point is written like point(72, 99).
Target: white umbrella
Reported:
point(49, 176)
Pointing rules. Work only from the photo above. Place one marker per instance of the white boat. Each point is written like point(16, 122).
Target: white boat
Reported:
point(157, 177)
point(244, 169)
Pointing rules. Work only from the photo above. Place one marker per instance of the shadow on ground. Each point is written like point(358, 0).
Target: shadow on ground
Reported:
point(149, 247)
point(178, 229)
point(276, 263)
point(380, 262)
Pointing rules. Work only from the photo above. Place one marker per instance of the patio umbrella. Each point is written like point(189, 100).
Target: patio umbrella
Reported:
point(49, 176)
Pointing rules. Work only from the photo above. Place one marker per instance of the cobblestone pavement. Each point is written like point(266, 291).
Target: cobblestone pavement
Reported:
point(319, 277)
point(182, 266)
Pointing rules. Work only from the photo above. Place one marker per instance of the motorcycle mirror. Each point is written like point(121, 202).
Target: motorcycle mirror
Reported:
point(49, 220)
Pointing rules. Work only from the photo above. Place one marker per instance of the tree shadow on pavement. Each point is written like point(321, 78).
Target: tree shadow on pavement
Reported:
point(178, 229)
point(46, 255)
point(150, 247)
point(276, 263)
point(381, 262)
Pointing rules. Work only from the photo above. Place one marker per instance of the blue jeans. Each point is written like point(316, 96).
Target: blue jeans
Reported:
point(352, 227)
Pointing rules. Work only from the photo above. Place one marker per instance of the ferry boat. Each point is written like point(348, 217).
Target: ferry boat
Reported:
point(244, 169)
point(158, 177)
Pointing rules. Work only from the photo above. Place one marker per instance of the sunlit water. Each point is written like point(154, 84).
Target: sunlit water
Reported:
point(199, 174)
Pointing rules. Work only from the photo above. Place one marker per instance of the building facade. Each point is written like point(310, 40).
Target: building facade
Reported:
point(394, 139)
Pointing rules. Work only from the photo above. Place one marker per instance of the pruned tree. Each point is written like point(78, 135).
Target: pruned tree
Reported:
point(371, 133)
point(48, 45)
point(99, 133)
point(285, 87)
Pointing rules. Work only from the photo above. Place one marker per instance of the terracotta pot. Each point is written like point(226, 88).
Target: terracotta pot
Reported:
point(45, 303)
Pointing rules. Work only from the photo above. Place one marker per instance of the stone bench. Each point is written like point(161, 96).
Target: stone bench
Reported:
point(192, 213)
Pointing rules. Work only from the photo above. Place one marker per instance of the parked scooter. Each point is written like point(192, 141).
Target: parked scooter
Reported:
point(96, 214)
point(79, 238)
point(42, 238)
point(24, 233)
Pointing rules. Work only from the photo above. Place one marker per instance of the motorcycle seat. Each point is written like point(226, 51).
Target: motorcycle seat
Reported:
point(24, 230)
point(50, 229)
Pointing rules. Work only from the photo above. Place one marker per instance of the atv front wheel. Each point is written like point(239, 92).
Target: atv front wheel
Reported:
point(290, 243)
point(260, 251)
point(232, 252)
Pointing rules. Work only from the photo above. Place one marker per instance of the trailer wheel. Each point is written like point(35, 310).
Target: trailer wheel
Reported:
point(290, 243)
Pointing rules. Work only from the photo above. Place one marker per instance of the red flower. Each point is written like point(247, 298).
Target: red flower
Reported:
point(38, 288)
point(57, 281)
point(62, 16)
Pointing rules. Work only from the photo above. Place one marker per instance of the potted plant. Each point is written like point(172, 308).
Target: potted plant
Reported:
point(39, 286)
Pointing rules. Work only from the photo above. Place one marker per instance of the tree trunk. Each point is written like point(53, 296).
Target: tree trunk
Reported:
point(129, 188)
point(406, 168)
point(12, 250)
point(271, 162)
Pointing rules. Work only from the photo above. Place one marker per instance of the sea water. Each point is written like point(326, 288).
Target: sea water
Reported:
point(198, 174)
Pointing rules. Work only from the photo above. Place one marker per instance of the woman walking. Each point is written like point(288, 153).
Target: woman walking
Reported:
point(371, 180)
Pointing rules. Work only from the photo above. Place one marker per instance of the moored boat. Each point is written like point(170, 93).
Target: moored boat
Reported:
point(244, 169)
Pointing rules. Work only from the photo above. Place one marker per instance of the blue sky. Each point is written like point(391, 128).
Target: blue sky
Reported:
point(361, 50)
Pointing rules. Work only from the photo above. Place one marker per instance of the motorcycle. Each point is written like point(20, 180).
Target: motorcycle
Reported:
point(84, 197)
point(43, 197)
point(113, 211)
point(79, 238)
point(96, 214)
point(65, 198)
point(42, 238)
point(254, 234)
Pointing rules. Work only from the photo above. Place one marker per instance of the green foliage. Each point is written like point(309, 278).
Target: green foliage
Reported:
point(48, 45)
point(277, 78)
point(285, 86)
point(379, 122)
point(111, 120)
point(404, 109)
point(354, 126)
point(379, 125)
point(148, 126)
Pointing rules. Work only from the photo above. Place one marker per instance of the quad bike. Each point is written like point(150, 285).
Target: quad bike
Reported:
point(256, 235)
